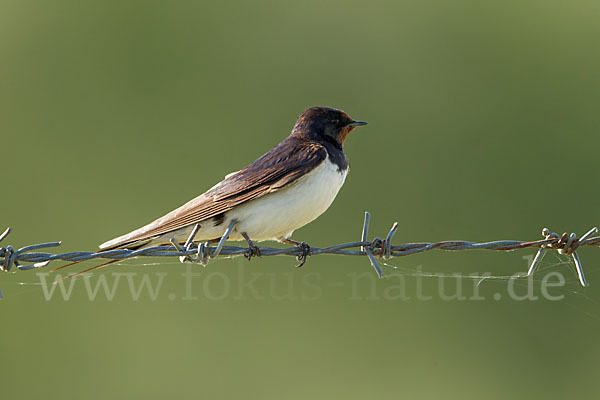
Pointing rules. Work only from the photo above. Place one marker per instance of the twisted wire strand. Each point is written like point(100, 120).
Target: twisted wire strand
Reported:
point(382, 248)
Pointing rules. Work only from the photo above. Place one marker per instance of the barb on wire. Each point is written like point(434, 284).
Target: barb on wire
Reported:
point(383, 248)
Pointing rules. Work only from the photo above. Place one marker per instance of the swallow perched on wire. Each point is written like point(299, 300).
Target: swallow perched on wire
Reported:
point(285, 189)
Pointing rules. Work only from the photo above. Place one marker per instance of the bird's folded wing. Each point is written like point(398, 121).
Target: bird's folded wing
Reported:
point(281, 166)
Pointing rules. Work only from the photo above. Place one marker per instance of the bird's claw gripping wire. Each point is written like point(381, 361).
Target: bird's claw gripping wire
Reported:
point(302, 257)
point(253, 251)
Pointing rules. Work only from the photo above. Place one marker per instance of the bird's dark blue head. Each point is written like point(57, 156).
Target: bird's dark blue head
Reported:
point(325, 123)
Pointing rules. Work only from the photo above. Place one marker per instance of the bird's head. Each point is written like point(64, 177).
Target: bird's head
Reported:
point(325, 123)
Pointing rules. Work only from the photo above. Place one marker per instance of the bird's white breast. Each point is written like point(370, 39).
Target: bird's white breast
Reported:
point(279, 213)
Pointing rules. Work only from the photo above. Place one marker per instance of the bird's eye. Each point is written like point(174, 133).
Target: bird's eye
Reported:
point(335, 121)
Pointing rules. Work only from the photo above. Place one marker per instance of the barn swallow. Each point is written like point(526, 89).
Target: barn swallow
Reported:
point(285, 189)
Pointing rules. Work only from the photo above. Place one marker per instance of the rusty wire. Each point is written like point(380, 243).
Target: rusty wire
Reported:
point(382, 248)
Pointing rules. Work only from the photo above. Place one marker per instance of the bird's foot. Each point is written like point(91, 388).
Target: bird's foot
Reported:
point(253, 249)
point(305, 253)
point(301, 258)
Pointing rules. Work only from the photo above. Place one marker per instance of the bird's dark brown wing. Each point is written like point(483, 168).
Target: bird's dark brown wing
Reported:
point(281, 166)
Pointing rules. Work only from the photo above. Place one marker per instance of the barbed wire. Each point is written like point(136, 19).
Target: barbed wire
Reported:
point(373, 249)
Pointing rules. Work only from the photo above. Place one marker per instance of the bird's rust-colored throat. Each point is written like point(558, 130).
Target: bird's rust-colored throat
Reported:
point(345, 132)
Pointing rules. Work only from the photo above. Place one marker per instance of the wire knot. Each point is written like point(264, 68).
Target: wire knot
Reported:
point(376, 243)
point(10, 255)
point(565, 244)
point(386, 246)
point(202, 253)
point(201, 250)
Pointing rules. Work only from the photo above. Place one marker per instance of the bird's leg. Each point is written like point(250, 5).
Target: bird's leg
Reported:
point(253, 249)
point(303, 246)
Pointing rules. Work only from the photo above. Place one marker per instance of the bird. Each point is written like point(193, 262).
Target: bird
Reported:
point(283, 190)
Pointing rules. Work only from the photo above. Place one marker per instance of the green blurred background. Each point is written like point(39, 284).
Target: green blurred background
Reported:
point(483, 120)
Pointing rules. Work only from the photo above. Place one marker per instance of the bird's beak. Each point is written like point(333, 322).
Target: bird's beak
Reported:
point(349, 128)
point(357, 123)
